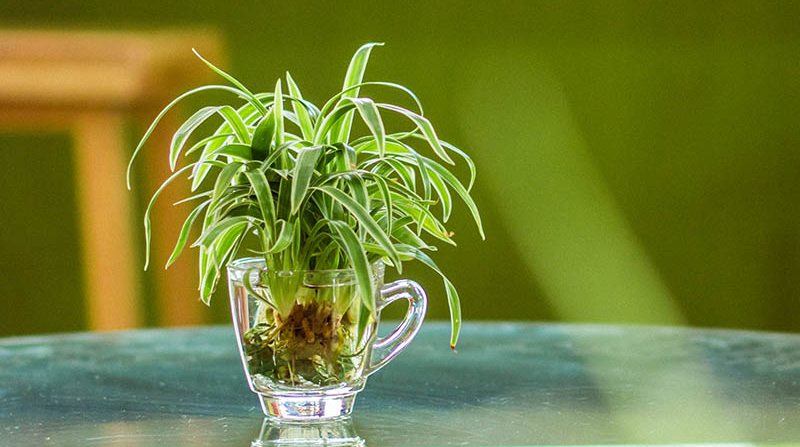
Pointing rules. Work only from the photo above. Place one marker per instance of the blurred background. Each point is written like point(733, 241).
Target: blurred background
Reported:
point(638, 162)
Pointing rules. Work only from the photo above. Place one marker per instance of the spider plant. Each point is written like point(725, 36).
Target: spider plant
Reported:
point(291, 177)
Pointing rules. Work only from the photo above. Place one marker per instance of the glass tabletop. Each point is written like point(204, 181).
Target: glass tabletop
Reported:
point(508, 384)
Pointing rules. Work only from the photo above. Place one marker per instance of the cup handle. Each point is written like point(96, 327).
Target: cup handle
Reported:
point(386, 348)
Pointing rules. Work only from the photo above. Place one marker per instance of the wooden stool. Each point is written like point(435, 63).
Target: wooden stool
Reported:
point(94, 85)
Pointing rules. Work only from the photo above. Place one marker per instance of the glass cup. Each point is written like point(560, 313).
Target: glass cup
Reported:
point(308, 340)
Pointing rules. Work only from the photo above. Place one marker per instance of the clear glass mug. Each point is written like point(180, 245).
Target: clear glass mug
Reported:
point(307, 339)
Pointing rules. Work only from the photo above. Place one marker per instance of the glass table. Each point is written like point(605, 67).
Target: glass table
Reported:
point(509, 384)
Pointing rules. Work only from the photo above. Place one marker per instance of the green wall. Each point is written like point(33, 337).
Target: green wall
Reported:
point(41, 284)
point(638, 161)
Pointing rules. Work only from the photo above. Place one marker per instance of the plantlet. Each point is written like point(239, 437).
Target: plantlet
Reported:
point(289, 177)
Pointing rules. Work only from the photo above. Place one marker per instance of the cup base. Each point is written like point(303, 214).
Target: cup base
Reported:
point(306, 408)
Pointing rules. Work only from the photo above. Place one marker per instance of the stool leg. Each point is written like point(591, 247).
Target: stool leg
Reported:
point(178, 300)
point(110, 262)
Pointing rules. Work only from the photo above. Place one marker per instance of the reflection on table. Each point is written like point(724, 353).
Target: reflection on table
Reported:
point(333, 433)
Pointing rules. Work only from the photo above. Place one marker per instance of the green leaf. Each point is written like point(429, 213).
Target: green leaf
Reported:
point(467, 159)
point(283, 289)
point(200, 172)
point(408, 237)
point(424, 218)
point(437, 172)
point(186, 129)
point(280, 152)
point(343, 158)
point(303, 172)
point(393, 147)
point(401, 187)
point(207, 140)
point(160, 116)
point(358, 189)
point(248, 285)
point(452, 294)
point(384, 167)
point(201, 195)
point(349, 242)
point(462, 192)
point(208, 238)
point(209, 275)
point(363, 218)
point(335, 99)
point(425, 127)
point(422, 167)
point(264, 196)
point(283, 206)
point(285, 237)
point(184, 233)
point(303, 117)
point(153, 198)
point(237, 124)
point(444, 195)
point(328, 124)
point(295, 245)
point(223, 180)
point(355, 74)
point(228, 199)
point(263, 136)
point(277, 113)
point(225, 246)
point(246, 93)
point(372, 118)
point(236, 151)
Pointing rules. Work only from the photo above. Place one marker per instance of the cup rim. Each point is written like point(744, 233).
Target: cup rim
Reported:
point(247, 263)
